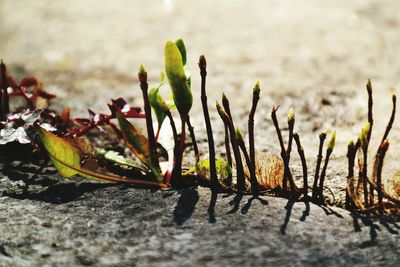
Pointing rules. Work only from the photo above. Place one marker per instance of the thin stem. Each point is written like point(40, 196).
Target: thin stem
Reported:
point(371, 122)
point(173, 126)
point(364, 176)
point(175, 135)
point(149, 122)
point(194, 141)
point(210, 136)
point(242, 146)
point(370, 105)
point(323, 173)
point(287, 172)
point(177, 171)
point(4, 105)
point(391, 120)
point(241, 183)
point(351, 154)
point(289, 147)
point(322, 137)
point(300, 150)
point(381, 152)
point(228, 152)
point(252, 167)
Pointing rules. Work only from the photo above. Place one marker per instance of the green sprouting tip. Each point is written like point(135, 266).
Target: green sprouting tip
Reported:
point(256, 89)
point(239, 136)
point(175, 72)
point(182, 48)
point(364, 135)
point(291, 115)
point(332, 141)
point(219, 108)
point(141, 69)
point(351, 144)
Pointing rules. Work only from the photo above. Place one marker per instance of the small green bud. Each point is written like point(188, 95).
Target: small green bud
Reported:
point(239, 136)
point(351, 144)
point(142, 74)
point(181, 46)
point(224, 116)
point(332, 141)
point(364, 135)
point(291, 116)
point(175, 72)
point(256, 89)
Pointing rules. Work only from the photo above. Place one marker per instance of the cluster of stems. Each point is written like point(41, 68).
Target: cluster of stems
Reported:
point(234, 139)
point(373, 183)
point(317, 190)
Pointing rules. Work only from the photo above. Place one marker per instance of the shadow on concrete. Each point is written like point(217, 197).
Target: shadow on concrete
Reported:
point(59, 193)
point(186, 205)
point(373, 222)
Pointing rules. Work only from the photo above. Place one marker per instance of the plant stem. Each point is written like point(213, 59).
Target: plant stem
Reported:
point(371, 121)
point(381, 152)
point(322, 137)
point(287, 172)
point(4, 105)
point(289, 147)
point(175, 135)
point(177, 171)
point(351, 154)
point(323, 173)
point(149, 122)
point(194, 142)
point(370, 105)
point(364, 176)
point(241, 183)
point(228, 152)
point(391, 120)
point(303, 164)
point(252, 167)
point(210, 136)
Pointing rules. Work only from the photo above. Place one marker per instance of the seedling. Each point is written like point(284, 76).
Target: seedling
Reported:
point(359, 196)
point(65, 143)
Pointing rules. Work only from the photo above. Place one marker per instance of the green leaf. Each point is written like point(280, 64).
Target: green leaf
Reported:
point(117, 158)
point(203, 169)
point(137, 143)
point(61, 152)
point(66, 157)
point(182, 49)
point(158, 104)
point(177, 78)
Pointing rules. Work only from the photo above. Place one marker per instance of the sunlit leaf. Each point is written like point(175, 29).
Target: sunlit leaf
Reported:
point(117, 158)
point(158, 104)
point(66, 157)
point(269, 171)
point(137, 143)
point(203, 169)
point(177, 78)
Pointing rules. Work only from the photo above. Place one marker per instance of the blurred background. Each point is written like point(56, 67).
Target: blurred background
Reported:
point(89, 51)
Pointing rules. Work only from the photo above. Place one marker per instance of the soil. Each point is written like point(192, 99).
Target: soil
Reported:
point(312, 56)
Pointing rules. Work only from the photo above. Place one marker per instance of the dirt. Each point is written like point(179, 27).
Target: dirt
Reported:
point(312, 56)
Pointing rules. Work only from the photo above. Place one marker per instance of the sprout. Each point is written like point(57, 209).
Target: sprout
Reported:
point(331, 143)
point(177, 79)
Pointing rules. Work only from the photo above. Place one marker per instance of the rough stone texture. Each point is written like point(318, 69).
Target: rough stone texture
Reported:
point(313, 56)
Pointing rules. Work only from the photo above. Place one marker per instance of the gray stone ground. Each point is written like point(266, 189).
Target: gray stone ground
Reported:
point(309, 55)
